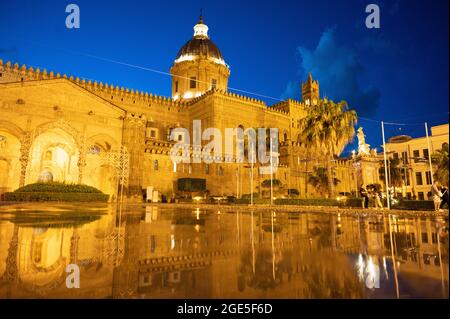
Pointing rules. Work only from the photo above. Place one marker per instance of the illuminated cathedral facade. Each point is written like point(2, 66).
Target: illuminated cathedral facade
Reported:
point(63, 128)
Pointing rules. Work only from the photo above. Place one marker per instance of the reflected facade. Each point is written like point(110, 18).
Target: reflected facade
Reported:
point(154, 252)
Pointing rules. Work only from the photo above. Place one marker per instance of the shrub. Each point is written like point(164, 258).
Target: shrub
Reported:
point(55, 191)
point(59, 197)
point(307, 202)
point(56, 187)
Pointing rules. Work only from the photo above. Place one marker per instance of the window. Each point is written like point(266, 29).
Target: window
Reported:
point(408, 182)
point(425, 238)
point(405, 157)
point(419, 180)
point(396, 155)
point(190, 169)
point(434, 238)
point(213, 84)
point(220, 171)
point(193, 82)
point(206, 169)
point(421, 196)
point(151, 132)
point(425, 153)
point(428, 177)
point(416, 155)
point(152, 243)
point(180, 137)
point(174, 167)
point(408, 195)
point(155, 165)
point(176, 86)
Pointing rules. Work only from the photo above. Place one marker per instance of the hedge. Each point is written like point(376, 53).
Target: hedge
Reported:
point(308, 202)
point(60, 197)
point(56, 187)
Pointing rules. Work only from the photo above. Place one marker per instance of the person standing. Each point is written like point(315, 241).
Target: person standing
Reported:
point(365, 197)
point(444, 197)
point(436, 194)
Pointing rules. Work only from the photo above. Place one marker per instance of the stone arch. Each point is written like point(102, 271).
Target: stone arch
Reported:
point(104, 141)
point(12, 129)
point(10, 156)
point(67, 145)
point(64, 126)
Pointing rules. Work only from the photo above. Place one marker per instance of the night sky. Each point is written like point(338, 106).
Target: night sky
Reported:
point(398, 73)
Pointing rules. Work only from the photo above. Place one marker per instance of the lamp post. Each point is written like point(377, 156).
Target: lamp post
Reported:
point(385, 167)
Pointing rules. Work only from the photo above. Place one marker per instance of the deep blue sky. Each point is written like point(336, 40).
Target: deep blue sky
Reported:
point(399, 72)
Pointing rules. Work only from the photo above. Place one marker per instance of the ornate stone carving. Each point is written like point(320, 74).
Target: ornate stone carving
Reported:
point(25, 145)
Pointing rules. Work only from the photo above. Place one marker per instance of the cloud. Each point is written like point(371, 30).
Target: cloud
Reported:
point(379, 45)
point(337, 69)
point(293, 91)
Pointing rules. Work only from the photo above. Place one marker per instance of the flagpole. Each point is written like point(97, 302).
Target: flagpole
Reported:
point(385, 167)
point(271, 174)
point(251, 181)
point(429, 153)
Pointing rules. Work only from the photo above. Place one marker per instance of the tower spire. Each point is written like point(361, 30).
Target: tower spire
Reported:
point(201, 16)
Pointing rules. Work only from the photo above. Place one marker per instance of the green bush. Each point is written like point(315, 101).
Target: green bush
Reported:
point(54, 191)
point(56, 187)
point(256, 201)
point(307, 202)
point(58, 197)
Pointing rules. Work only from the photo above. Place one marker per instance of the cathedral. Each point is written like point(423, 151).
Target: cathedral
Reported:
point(62, 128)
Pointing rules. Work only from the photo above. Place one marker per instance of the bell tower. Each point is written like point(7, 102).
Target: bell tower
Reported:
point(310, 91)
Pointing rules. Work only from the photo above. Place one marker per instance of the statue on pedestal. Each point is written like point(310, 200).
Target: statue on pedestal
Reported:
point(363, 147)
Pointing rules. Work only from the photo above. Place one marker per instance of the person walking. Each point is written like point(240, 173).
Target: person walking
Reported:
point(436, 194)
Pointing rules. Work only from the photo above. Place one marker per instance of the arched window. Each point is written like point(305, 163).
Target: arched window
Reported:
point(155, 165)
point(444, 145)
point(220, 171)
point(285, 137)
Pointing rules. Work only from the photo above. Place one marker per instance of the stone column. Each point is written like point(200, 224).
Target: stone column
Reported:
point(25, 146)
point(11, 271)
point(81, 164)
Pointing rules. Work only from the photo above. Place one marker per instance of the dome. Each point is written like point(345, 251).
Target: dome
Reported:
point(200, 45)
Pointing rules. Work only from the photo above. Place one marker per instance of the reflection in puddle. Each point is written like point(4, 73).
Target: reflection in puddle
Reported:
point(157, 252)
